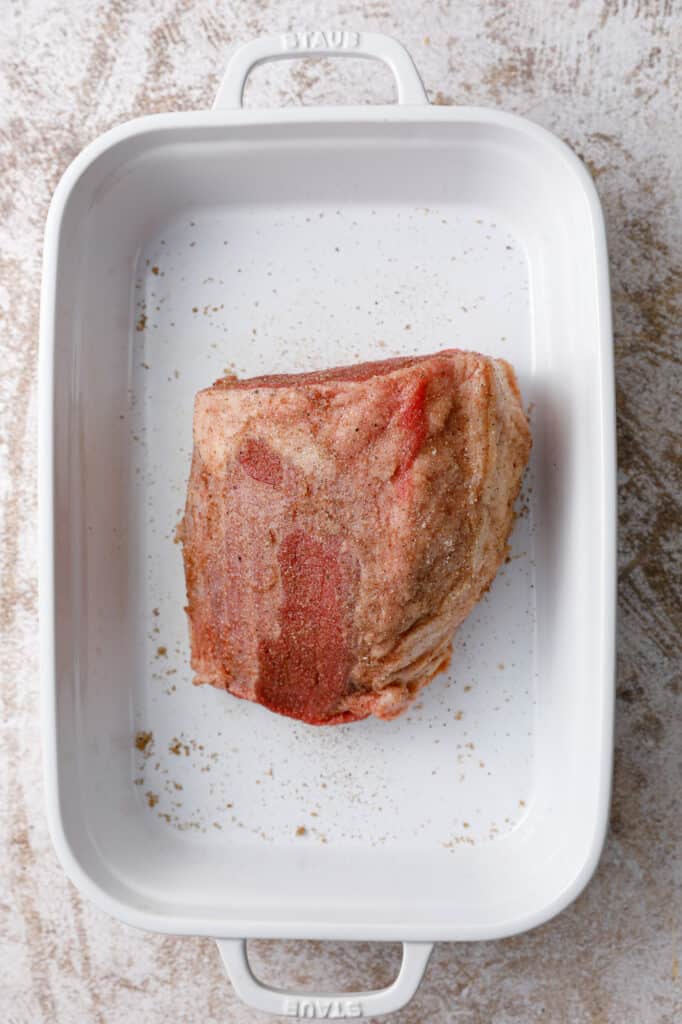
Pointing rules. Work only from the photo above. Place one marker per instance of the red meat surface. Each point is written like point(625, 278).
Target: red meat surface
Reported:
point(340, 525)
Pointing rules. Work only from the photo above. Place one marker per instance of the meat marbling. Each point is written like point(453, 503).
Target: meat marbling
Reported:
point(340, 525)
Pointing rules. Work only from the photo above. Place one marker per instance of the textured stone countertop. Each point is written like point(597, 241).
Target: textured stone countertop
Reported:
point(605, 76)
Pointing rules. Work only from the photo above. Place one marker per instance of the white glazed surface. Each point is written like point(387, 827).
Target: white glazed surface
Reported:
point(181, 247)
point(300, 288)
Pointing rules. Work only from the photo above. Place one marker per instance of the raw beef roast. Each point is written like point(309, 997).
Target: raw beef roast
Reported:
point(340, 525)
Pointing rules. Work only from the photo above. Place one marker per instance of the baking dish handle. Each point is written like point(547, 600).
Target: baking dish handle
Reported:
point(330, 1006)
point(319, 44)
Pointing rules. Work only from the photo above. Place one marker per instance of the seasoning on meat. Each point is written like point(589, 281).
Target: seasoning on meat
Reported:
point(340, 525)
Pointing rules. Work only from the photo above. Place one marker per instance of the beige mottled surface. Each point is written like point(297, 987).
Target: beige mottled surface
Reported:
point(605, 76)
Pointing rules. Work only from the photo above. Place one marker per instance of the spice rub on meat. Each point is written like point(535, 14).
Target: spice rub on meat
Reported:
point(340, 525)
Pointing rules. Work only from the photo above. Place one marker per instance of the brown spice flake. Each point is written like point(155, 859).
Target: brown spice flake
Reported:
point(301, 830)
point(143, 740)
point(152, 799)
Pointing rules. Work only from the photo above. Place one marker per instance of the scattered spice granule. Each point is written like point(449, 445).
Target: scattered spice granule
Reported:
point(155, 270)
point(152, 799)
point(465, 824)
point(142, 741)
point(500, 665)
point(467, 689)
point(141, 323)
point(522, 803)
point(177, 785)
point(408, 327)
point(458, 716)
point(161, 652)
point(195, 309)
point(155, 611)
point(301, 830)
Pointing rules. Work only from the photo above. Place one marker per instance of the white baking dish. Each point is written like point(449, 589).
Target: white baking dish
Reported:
point(179, 245)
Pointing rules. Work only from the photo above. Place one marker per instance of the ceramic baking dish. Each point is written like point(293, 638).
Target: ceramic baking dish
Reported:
point(182, 245)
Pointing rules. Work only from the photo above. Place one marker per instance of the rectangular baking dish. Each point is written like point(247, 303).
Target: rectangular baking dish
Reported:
point(182, 245)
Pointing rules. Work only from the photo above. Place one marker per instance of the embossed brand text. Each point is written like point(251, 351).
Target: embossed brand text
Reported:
point(316, 40)
point(322, 1009)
